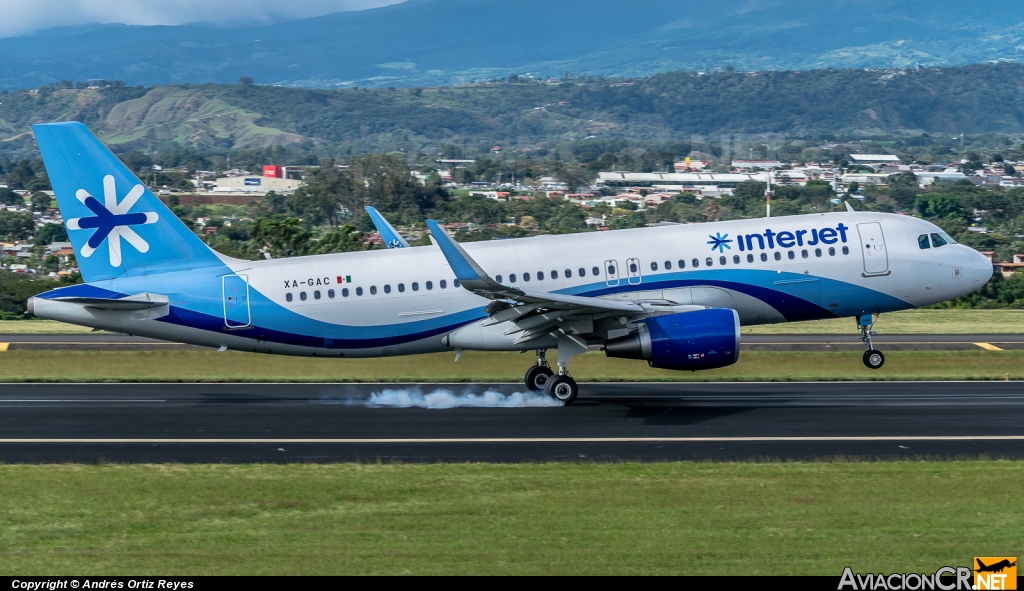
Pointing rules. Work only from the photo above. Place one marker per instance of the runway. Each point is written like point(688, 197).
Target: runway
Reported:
point(837, 342)
point(610, 422)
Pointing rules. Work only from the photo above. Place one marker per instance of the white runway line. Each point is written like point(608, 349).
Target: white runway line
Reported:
point(541, 440)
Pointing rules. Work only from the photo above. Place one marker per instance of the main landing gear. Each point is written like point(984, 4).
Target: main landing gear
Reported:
point(873, 358)
point(537, 376)
point(560, 385)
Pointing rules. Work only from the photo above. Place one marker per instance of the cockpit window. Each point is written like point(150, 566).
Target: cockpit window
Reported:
point(922, 241)
point(937, 240)
point(947, 238)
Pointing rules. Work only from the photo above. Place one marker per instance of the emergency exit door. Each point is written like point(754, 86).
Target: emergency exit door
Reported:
point(872, 248)
point(236, 301)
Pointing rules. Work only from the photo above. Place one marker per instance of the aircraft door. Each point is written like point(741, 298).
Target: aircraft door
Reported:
point(236, 301)
point(611, 273)
point(872, 247)
point(633, 270)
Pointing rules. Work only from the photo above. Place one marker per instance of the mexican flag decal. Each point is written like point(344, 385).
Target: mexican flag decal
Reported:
point(344, 279)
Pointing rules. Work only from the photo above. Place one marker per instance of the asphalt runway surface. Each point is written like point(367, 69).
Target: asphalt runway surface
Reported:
point(609, 422)
point(837, 342)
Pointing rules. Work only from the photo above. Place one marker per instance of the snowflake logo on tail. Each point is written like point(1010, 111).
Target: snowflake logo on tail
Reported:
point(112, 220)
point(719, 242)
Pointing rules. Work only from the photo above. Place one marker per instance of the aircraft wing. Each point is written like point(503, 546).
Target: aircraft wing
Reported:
point(533, 313)
point(390, 236)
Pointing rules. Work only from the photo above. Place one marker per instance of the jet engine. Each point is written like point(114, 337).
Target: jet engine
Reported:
point(702, 339)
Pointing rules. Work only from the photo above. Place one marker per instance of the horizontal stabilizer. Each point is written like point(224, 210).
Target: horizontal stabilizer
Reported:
point(141, 301)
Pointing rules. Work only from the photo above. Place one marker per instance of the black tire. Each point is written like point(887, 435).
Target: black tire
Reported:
point(874, 359)
point(537, 377)
point(563, 389)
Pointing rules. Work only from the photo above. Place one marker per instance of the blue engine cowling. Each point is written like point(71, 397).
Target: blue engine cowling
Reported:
point(702, 339)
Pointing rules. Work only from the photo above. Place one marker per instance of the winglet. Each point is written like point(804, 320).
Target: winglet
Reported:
point(390, 236)
point(467, 271)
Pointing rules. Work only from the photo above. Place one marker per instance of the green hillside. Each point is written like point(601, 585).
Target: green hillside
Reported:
point(676, 106)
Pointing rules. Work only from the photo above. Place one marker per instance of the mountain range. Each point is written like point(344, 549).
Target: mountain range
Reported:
point(439, 42)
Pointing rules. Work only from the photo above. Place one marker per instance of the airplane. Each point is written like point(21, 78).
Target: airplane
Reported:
point(994, 568)
point(675, 296)
point(388, 234)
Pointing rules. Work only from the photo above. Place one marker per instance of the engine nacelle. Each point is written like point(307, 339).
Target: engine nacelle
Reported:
point(702, 339)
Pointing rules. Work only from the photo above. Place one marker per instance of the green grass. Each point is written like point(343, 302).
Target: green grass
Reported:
point(208, 365)
point(662, 518)
point(906, 322)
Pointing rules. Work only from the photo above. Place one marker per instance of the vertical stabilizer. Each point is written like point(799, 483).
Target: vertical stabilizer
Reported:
point(116, 225)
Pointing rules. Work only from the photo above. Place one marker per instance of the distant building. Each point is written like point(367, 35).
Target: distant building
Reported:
point(762, 164)
point(874, 159)
point(257, 185)
point(704, 182)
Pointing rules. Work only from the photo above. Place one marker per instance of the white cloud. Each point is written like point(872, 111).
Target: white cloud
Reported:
point(26, 16)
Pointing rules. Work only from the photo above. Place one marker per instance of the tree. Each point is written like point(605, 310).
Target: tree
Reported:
point(246, 81)
point(9, 197)
point(343, 239)
point(1009, 170)
point(41, 201)
point(15, 226)
point(281, 238)
point(48, 233)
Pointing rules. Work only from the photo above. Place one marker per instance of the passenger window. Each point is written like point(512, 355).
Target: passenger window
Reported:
point(497, 278)
point(708, 261)
point(359, 291)
point(695, 263)
point(633, 268)
point(401, 288)
point(316, 295)
point(654, 266)
point(429, 285)
point(455, 282)
point(721, 260)
point(373, 290)
point(778, 256)
point(922, 242)
point(792, 255)
point(682, 264)
point(302, 295)
point(540, 275)
point(444, 284)
point(512, 278)
point(344, 292)
point(526, 276)
point(736, 258)
point(330, 293)
point(668, 265)
point(387, 288)
point(937, 240)
point(568, 273)
point(803, 253)
point(846, 250)
point(554, 274)
point(288, 297)
point(817, 252)
point(415, 286)
point(750, 258)
point(831, 251)
point(595, 271)
point(611, 269)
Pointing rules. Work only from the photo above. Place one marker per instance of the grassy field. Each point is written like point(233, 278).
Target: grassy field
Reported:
point(662, 518)
point(203, 365)
point(906, 322)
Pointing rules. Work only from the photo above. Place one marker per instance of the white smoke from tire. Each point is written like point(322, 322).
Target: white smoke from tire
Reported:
point(442, 399)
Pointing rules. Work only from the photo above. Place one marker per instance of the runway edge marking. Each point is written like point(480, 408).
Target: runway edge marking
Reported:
point(530, 440)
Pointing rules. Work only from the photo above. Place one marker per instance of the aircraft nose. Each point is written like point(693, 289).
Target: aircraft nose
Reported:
point(982, 268)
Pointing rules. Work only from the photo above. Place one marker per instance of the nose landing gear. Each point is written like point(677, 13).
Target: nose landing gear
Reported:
point(873, 358)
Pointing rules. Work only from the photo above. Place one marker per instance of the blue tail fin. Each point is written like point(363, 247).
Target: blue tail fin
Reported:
point(117, 226)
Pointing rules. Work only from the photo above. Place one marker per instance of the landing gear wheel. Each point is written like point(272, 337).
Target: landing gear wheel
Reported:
point(562, 388)
point(874, 358)
point(537, 377)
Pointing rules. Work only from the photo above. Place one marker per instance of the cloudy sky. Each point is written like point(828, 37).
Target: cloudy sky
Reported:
point(26, 16)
